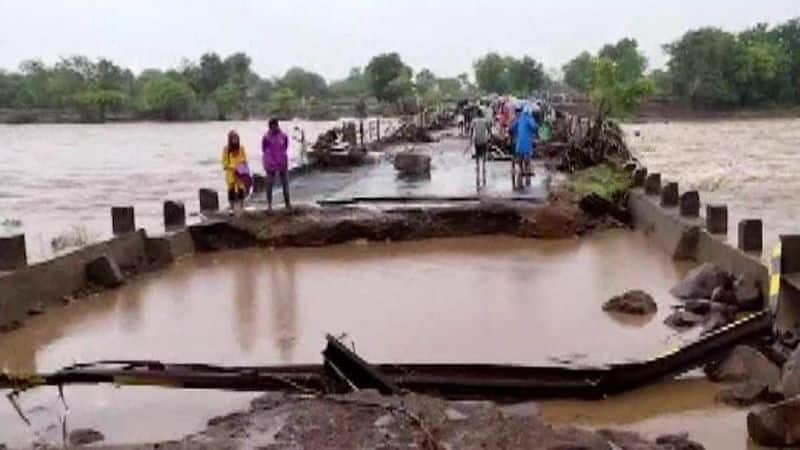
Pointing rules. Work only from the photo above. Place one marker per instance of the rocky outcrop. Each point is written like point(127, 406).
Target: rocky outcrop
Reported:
point(683, 319)
point(678, 442)
point(745, 364)
point(789, 385)
point(638, 303)
point(776, 425)
point(744, 394)
point(701, 282)
point(85, 436)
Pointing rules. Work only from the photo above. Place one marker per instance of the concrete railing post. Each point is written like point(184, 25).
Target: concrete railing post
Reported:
point(209, 200)
point(378, 129)
point(690, 204)
point(652, 185)
point(669, 195)
point(174, 214)
point(123, 219)
point(13, 255)
point(790, 253)
point(639, 177)
point(751, 235)
point(717, 219)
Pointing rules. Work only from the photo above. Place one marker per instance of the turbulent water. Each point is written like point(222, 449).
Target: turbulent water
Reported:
point(749, 165)
point(54, 178)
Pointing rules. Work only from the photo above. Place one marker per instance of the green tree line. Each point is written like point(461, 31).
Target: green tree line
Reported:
point(707, 68)
point(220, 88)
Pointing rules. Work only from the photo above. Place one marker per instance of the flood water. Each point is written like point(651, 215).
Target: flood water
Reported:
point(56, 177)
point(497, 300)
point(750, 165)
point(686, 405)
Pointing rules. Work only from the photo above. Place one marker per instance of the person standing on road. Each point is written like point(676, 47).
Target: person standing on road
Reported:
point(274, 148)
point(234, 163)
point(481, 134)
point(524, 130)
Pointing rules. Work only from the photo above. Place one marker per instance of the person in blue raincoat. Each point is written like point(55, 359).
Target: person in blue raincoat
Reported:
point(524, 129)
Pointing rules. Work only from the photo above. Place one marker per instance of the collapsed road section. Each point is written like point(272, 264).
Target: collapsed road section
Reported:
point(344, 370)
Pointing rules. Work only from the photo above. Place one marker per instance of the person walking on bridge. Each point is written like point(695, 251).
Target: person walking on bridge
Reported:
point(274, 148)
point(481, 134)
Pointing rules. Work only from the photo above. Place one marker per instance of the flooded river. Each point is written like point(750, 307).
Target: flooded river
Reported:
point(56, 177)
point(751, 165)
point(500, 300)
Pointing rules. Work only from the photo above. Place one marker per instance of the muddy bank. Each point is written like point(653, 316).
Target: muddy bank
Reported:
point(367, 420)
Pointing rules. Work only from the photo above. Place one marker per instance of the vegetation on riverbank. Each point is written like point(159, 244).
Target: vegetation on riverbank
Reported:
point(605, 180)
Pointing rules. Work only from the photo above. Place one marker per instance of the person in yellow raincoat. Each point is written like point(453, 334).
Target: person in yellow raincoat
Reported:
point(233, 156)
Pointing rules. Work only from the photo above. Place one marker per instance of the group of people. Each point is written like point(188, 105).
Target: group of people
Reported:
point(274, 157)
point(515, 123)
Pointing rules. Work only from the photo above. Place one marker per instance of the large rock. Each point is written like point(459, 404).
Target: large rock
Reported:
point(745, 364)
point(639, 303)
point(678, 442)
point(105, 272)
point(85, 436)
point(412, 164)
point(700, 306)
point(556, 220)
point(683, 319)
point(743, 394)
point(701, 282)
point(724, 295)
point(789, 385)
point(777, 425)
point(748, 294)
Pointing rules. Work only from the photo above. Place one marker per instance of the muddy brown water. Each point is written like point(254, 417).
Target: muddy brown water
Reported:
point(494, 299)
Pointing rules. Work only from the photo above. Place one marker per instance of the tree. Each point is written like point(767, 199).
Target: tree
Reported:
point(237, 68)
point(285, 102)
point(425, 80)
point(628, 60)
point(169, 99)
point(761, 67)
point(355, 85)
point(491, 73)
point(662, 83)
point(579, 71)
point(614, 95)
point(524, 76)
point(389, 77)
point(211, 73)
point(226, 97)
point(788, 34)
point(701, 66)
point(449, 88)
point(304, 84)
point(94, 103)
point(10, 85)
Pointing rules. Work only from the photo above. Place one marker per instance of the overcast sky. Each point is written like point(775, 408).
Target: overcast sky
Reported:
point(332, 36)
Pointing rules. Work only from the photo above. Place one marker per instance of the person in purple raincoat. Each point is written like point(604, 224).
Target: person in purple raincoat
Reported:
point(274, 147)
